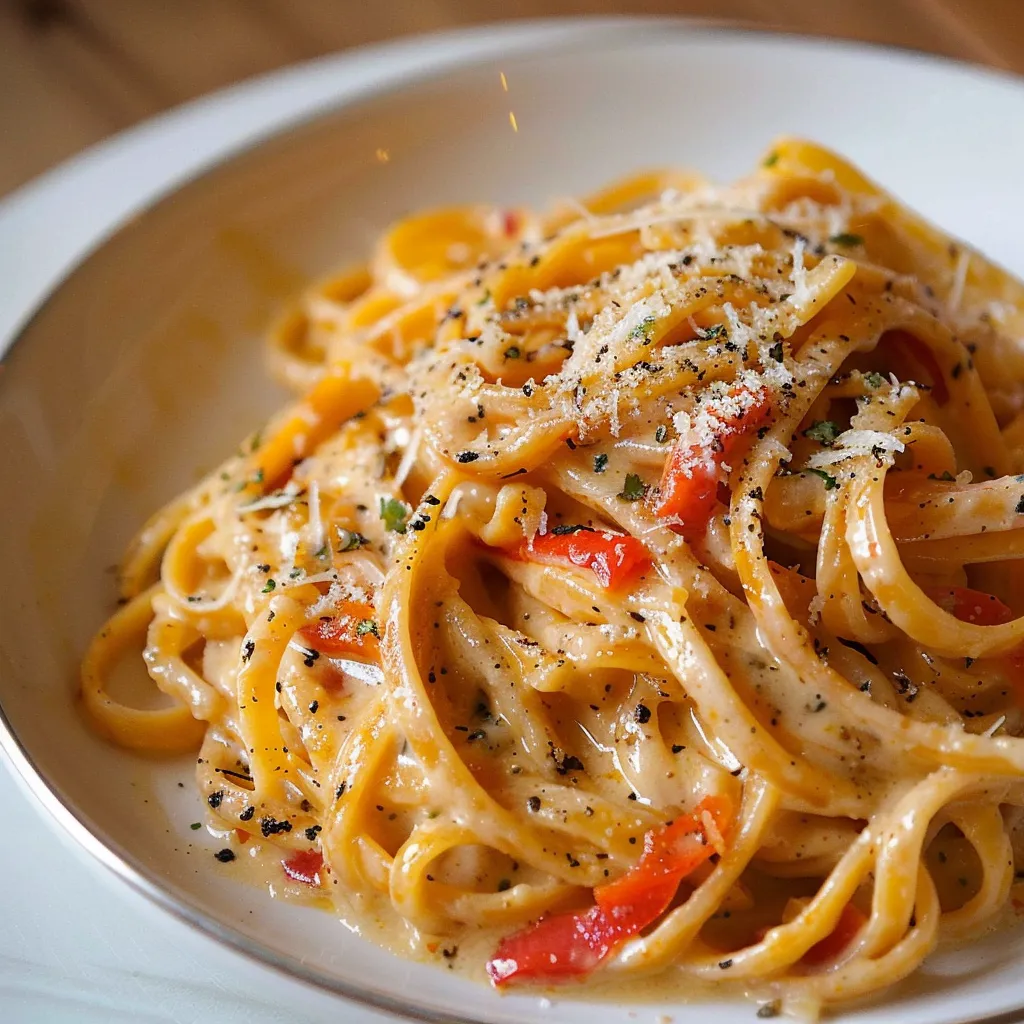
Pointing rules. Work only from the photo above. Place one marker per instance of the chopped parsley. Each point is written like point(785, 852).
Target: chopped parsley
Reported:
point(633, 488)
point(643, 329)
point(512, 352)
point(600, 463)
point(874, 379)
point(661, 434)
point(395, 514)
point(268, 586)
point(830, 480)
point(367, 626)
point(946, 475)
point(847, 238)
point(714, 331)
point(486, 297)
point(770, 160)
point(196, 825)
point(823, 431)
point(564, 528)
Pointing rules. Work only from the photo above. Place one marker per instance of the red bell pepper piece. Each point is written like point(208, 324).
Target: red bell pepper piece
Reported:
point(572, 944)
point(613, 558)
point(352, 631)
point(850, 922)
point(974, 606)
point(304, 866)
point(693, 470)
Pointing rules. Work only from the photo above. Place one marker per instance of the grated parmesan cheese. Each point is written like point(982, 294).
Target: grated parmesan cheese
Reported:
point(853, 443)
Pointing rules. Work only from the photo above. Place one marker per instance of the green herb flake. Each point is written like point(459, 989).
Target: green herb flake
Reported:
point(196, 825)
point(600, 463)
point(661, 434)
point(367, 626)
point(395, 514)
point(486, 297)
point(830, 480)
point(714, 331)
point(874, 379)
point(847, 238)
point(633, 488)
point(823, 431)
point(946, 475)
point(770, 160)
point(268, 586)
point(643, 329)
point(349, 540)
point(512, 352)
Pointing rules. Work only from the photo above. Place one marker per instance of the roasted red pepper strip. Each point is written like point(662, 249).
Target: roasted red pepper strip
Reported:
point(352, 631)
point(572, 944)
point(304, 866)
point(981, 609)
point(974, 606)
point(689, 482)
point(850, 922)
point(613, 558)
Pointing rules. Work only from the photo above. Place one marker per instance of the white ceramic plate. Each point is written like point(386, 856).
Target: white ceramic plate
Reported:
point(142, 368)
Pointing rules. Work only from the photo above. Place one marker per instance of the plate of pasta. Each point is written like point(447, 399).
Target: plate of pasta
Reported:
point(499, 579)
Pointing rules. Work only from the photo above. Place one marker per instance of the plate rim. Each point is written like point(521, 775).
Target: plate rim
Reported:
point(449, 51)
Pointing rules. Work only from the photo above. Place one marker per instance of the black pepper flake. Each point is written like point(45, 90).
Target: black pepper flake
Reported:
point(637, 617)
point(642, 713)
point(311, 655)
point(533, 804)
point(725, 964)
point(248, 648)
point(314, 706)
point(312, 831)
point(677, 747)
point(214, 799)
point(225, 856)
point(271, 826)
point(768, 1011)
point(340, 791)
point(465, 457)
point(247, 814)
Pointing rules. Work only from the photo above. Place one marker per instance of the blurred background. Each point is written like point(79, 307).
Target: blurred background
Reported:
point(75, 71)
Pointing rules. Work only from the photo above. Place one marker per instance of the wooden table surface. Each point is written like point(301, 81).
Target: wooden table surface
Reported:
point(75, 71)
